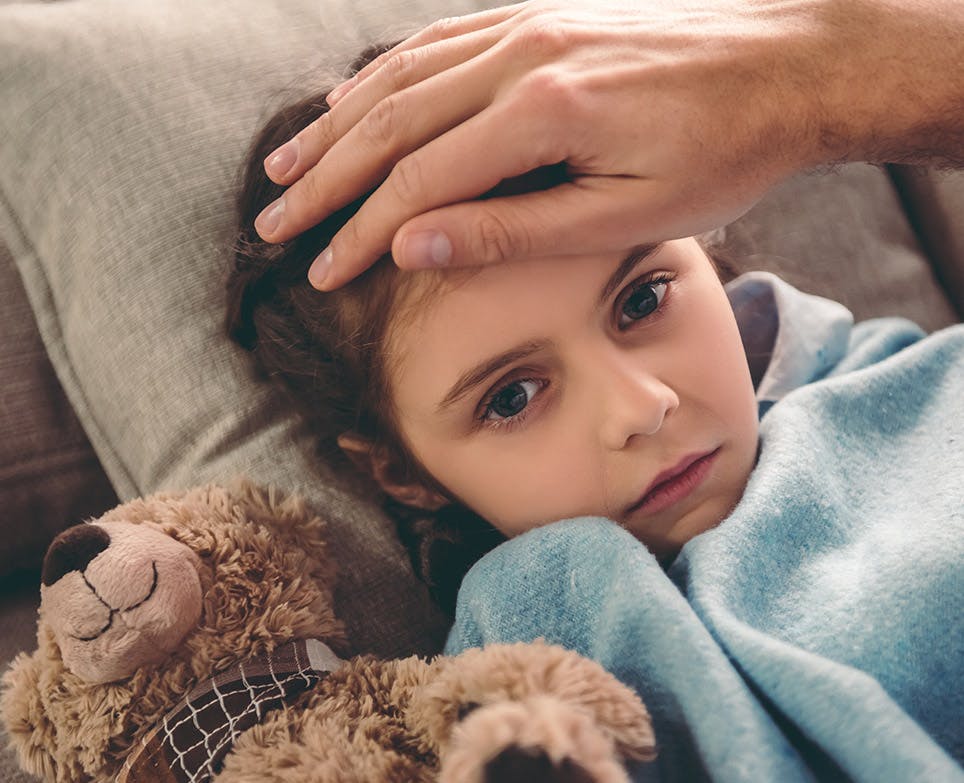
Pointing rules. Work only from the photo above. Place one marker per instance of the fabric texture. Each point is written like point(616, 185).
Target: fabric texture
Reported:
point(18, 631)
point(49, 476)
point(843, 235)
point(934, 203)
point(816, 633)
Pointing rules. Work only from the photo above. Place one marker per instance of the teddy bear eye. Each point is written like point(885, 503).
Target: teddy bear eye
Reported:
point(467, 708)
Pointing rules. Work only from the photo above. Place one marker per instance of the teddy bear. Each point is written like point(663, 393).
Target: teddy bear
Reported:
point(191, 636)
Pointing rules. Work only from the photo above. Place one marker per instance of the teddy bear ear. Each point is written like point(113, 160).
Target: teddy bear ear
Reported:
point(24, 718)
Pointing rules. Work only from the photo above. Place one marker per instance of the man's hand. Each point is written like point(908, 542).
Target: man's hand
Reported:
point(668, 118)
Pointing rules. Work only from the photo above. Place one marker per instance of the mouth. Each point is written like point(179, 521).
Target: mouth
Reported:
point(673, 485)
point(112, 611)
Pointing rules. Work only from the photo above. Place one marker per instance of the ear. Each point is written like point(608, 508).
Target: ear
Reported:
point(383, 466)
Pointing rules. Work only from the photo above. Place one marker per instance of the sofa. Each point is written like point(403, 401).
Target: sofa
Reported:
point(122, 129)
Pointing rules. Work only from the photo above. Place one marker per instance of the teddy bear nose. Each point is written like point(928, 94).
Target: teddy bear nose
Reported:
point(72, 550)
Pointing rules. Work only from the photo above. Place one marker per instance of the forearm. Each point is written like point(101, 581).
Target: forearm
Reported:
point(899, 96)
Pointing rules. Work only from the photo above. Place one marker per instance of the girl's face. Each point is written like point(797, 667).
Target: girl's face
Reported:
point(594, 385)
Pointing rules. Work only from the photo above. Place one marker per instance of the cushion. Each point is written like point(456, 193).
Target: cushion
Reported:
point(49, 475)
point(843, 234)
point(934, 202)
point(124, 127)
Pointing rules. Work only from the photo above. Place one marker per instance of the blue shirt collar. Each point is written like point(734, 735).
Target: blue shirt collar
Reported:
point(790, 338)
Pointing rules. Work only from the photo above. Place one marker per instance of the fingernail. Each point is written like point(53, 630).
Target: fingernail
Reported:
point(270, 218)
point(339, 92)
point(318, 271)
point(427, 249)
point(283, 159)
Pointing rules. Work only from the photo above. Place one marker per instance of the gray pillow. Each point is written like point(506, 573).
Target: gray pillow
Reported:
point(844, 234)
point(123, 128)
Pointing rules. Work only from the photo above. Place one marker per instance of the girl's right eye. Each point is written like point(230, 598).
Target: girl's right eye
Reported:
point(508, 404)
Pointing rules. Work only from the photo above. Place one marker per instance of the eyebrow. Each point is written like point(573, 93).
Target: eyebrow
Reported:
point(635, 257)
point(476, 375)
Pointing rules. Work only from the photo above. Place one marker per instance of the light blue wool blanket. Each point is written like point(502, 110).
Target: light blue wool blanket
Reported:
point(818, 632)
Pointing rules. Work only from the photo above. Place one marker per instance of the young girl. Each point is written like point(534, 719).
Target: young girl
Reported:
point(816, 632)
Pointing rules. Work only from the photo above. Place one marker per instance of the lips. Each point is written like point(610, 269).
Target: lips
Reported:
point(672, 485)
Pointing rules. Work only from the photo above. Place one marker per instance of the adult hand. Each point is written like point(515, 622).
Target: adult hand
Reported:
point(669, 117)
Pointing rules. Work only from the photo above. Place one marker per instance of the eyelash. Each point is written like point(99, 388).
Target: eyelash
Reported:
point(511, 423)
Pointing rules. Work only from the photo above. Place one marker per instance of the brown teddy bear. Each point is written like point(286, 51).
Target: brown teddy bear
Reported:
point(191, 637)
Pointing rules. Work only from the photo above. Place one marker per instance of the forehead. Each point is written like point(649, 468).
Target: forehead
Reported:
point(445, 319)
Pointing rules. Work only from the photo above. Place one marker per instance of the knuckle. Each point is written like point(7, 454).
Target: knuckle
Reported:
point(542, 39)
point(442, 28)
point(399, 67)
point(379, 61)
point(320, 134)
point(380, 126)
point(553, 91)
point(349, 236)
point(308, 190)
point(406, 180)
point(492, 240)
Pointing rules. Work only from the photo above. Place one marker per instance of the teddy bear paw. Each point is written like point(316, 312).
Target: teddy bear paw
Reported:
point(516, 763)
point(541, 738)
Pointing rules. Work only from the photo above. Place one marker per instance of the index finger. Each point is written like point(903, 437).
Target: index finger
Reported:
point(363, 145)
point(404, 69)
point(423, 181)
point(288, 163)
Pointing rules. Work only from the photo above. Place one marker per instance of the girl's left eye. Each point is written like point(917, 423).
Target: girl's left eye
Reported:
point(640, 300)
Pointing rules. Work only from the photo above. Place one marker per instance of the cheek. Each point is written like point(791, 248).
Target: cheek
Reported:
point(713, 337)
point(519, 483)
point(730, 388)
point(715, 366)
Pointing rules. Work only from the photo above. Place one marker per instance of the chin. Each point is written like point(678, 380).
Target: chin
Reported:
point(665, 548)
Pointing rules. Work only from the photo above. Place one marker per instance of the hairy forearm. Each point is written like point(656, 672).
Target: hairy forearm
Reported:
point(899, 96)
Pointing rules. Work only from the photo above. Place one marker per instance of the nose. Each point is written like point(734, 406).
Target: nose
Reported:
point(73, 550)
point(635, 403)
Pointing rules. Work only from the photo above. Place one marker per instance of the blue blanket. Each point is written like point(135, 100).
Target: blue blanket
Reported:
point(817, 633)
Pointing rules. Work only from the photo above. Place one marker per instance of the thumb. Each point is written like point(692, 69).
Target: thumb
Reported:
point(589, 215)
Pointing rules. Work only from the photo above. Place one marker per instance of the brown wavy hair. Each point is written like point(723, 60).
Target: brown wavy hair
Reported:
point(324, 349)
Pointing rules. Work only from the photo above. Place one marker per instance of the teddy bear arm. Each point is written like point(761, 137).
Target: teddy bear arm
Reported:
point(316, 744)
point(618, 709)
